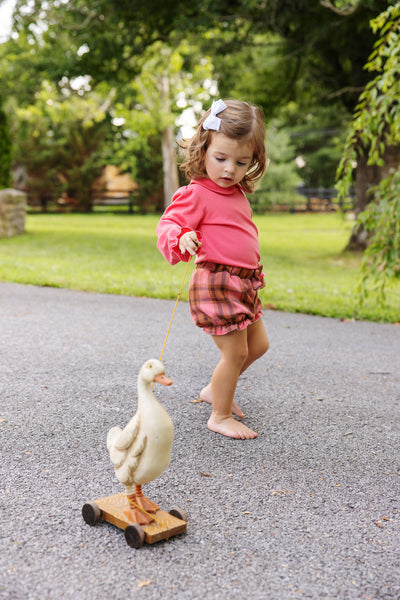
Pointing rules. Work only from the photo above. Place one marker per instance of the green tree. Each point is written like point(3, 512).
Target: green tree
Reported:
point(316, 49)
point(59, 141)
point(281, 178)
point(374, 141)
point(150, 80)
point(135, 148)
point(314, 42)
point(303, 63)
point(170, 73)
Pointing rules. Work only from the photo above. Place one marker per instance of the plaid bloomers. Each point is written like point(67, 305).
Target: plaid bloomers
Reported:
point(224, 298)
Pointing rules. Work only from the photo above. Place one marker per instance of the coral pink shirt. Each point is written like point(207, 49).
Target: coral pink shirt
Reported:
point(222, 218)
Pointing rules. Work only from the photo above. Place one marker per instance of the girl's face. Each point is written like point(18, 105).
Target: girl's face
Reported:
point(227, 160)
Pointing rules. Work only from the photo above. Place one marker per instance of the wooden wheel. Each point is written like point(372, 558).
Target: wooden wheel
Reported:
point(91, 513)
point(134, 535)
point(179, 513)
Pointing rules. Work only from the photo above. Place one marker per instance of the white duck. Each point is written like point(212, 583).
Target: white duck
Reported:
point(142, 450)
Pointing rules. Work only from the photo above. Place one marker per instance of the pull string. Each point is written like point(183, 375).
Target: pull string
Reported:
point(176, 304)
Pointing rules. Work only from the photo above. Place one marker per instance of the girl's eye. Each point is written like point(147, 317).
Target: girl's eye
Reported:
point(241, 164)
point(219, 159)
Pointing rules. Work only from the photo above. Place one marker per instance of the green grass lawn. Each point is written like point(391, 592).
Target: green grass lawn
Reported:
point(306, 269)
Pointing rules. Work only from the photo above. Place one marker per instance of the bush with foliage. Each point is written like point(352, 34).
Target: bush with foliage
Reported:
point(374, 130)
point(60, 141)
point(278, 186)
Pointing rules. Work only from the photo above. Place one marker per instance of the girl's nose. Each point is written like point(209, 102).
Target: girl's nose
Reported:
point(229, 168)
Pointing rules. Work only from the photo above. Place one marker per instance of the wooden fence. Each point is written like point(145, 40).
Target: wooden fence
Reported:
point(304, 199)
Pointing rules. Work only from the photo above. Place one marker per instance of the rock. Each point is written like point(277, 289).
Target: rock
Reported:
point(12, 212)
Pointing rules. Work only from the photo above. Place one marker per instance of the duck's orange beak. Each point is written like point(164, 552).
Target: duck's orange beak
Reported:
point(163, 379)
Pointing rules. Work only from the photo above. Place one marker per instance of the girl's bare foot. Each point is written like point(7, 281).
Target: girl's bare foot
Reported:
point(231, 428)
point(206, 396)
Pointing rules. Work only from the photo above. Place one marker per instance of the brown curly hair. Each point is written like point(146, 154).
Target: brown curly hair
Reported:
point(239, 121)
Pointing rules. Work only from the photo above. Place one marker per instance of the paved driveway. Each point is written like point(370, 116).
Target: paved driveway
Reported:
point(310, 509)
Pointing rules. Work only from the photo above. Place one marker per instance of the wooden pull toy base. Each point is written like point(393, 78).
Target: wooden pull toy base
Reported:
point(116, 510)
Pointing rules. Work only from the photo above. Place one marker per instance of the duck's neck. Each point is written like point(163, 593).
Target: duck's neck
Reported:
point(145, 391)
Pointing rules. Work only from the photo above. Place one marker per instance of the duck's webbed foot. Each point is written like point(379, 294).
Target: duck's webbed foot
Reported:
point(140, 506)
point(135, 515)
point(146, 504)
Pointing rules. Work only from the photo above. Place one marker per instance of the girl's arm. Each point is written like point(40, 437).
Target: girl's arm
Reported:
point(178, 238)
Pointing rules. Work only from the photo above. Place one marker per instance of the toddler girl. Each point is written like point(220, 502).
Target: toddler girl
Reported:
point(212, 219)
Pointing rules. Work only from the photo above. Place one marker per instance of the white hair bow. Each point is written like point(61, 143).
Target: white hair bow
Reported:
point(212, 121)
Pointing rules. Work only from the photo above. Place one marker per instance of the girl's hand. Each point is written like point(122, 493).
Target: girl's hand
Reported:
point(189, 243)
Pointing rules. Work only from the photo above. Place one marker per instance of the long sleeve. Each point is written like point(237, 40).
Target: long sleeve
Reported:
point(184, 214)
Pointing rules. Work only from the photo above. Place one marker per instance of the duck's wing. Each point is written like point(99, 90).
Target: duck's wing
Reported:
point(117, 456)
point(121, 439)
point(112, 436)
point(128, 466)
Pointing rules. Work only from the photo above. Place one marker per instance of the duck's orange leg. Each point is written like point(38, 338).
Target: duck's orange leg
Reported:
point(143, 502)
point(139, 506)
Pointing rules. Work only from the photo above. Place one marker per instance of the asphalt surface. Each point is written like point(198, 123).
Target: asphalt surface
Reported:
point(310, 509)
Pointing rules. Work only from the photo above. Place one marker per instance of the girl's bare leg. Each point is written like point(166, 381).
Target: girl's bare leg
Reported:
point(206, 396)
point(233, 348)
point(257, 345)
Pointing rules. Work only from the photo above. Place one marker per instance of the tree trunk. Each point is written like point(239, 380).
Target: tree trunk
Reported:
point(170, 168)
point(368, 176)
